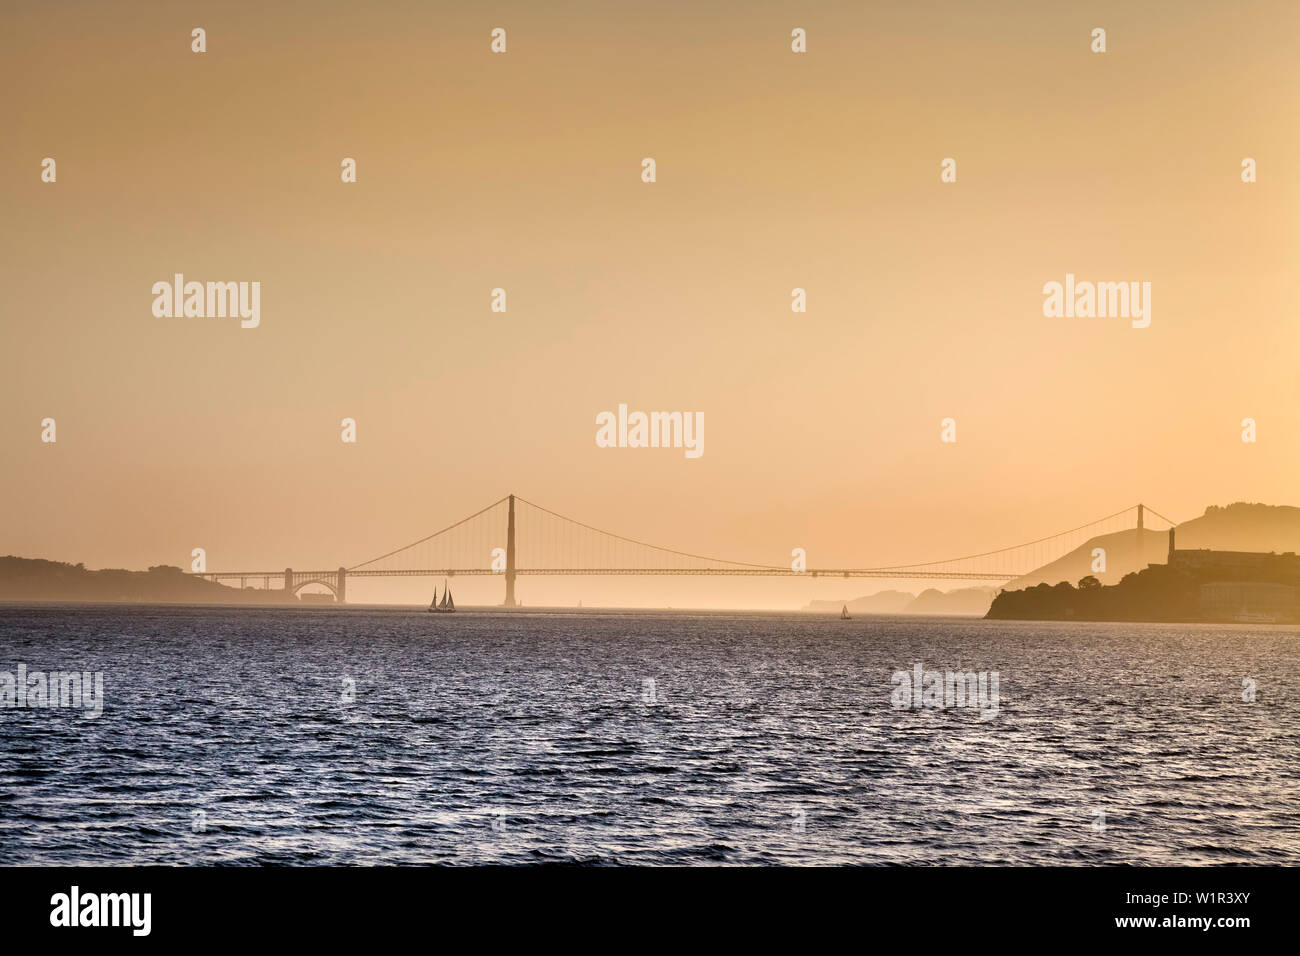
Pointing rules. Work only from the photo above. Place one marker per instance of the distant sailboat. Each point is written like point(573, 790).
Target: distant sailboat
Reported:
point(447, 605)
point(844, 613)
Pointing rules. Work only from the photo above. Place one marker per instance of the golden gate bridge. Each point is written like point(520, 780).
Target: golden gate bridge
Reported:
point(513, 537)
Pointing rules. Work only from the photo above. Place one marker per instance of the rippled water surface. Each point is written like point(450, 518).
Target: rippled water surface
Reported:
point(355, 736)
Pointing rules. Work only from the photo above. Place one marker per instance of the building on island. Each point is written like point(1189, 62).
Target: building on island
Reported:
point(1241, 585)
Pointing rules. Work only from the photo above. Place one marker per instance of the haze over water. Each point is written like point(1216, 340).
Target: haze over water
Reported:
point(777, 171)
point(526, 737)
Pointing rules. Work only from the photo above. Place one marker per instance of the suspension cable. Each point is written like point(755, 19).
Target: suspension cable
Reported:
point(642, 544)
point(1014, 547)
point(427, 536)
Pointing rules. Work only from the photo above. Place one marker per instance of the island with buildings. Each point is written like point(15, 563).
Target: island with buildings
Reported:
point(1201, 585)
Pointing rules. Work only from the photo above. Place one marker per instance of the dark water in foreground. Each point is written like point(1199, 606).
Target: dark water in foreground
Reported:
point(227, 737)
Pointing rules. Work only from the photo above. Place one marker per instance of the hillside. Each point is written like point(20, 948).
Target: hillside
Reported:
point(1236, 527)
point(34, 579)
point(1121, 559)
point(963, 601)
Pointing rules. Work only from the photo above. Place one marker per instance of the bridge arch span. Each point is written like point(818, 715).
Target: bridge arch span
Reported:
point(299, 585)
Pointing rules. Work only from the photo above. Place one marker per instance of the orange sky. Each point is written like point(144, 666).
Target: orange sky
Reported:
point(522, 171)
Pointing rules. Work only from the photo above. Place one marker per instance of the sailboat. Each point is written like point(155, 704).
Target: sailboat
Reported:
point(447, 605)
point(844, 612)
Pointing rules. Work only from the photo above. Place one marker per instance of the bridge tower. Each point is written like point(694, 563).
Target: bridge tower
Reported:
point(341, 591)
point(288, 584)
point(1141, 511)
point(510, 555)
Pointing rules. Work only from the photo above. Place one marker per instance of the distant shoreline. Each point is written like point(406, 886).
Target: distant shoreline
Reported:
point(470, 612)
point(471, 608)
point(1198, 586)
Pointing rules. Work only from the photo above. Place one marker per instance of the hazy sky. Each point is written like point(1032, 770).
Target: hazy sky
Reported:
point(523, 171)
